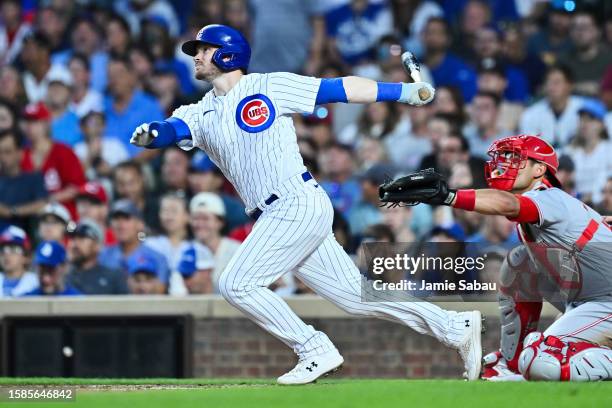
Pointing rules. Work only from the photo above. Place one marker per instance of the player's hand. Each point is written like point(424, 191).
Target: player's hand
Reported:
point(424, 186)
point(142, 137)
point(417, 93)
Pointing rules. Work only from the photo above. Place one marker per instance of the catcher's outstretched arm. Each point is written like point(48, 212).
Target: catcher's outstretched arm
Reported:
point(496, 202)
point(430, 187)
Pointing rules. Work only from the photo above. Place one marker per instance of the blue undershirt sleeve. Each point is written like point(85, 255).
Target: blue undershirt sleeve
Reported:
point(331, 90)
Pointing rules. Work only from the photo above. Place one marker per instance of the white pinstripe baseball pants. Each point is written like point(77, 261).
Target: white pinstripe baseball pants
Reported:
point(294, 234)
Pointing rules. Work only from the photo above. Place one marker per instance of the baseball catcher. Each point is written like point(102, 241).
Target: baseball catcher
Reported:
point(565, 245)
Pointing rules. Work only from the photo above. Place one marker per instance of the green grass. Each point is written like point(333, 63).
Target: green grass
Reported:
point(326, 393)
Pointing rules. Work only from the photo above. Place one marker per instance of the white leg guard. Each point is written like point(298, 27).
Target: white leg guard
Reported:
point(552, 359)
point(518, 317)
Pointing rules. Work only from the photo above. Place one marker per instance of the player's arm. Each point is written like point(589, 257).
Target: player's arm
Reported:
point(353, 89)
point(430, 187)
point(496, 202)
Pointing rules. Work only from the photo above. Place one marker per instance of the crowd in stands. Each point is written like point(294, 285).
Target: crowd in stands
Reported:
point(84, 212)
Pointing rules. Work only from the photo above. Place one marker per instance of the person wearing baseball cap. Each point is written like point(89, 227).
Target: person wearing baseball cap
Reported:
point(207, 219)
point(196, 267)
point(53, 222)
point(85, 271)
point(145, 276)
point(15, 279)
point(50, 261)
point(92, 203)
point(62, 171)
point(591, 151)
point(128, 227)
point(205, 176)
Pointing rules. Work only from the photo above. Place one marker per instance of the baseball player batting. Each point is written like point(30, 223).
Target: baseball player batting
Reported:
point(244, 125)
point(564, 241)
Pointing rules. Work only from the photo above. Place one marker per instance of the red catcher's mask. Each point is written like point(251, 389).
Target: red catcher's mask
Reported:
point(510, 154)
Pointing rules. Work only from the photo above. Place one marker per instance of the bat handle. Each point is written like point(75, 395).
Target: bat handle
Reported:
point(411, 64)
point(416, 76)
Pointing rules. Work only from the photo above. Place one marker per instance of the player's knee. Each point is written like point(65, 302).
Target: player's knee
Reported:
point(538, 365)
point(229, 287)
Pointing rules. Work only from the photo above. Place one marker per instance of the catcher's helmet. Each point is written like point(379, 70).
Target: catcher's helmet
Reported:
point(231, 43)
point(510, 154)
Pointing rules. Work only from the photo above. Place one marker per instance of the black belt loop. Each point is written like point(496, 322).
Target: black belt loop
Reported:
point(256, 213)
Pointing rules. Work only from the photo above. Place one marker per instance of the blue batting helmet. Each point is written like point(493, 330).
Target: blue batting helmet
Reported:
point(231, 43)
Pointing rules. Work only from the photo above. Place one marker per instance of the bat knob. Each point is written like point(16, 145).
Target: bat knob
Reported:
point(424, 93)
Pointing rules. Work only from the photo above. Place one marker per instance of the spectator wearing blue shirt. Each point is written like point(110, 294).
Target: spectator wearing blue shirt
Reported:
point(475, 15)
point(446, 68)
point(514, 50)
point(126, 107)
point(128, 226)
point(338, 182)
point(50, 261)
point(488, 46)
point(501, 10)
point(367, 211)
point(552, 39)
point(156, 38)
point(65, 126)
point(496, 231)
point(357, 27)
point(15, 279)
point(22, 194)
point(86, 39)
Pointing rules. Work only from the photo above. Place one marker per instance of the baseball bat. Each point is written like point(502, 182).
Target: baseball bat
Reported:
point(411, 64)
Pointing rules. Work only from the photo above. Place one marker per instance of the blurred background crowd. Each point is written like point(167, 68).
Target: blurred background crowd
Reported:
point(84, 212)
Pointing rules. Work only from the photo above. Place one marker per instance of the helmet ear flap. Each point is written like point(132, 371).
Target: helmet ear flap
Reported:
point(226, 57)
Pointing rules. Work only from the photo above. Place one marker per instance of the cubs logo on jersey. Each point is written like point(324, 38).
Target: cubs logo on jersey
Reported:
point(255, 113)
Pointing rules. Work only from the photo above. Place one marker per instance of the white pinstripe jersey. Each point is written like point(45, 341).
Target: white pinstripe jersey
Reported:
point(249, 133)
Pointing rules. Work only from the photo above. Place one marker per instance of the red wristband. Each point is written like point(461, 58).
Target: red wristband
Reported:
point(465, 200)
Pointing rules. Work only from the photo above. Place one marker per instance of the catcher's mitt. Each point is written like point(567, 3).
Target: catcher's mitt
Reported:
point(425, 186)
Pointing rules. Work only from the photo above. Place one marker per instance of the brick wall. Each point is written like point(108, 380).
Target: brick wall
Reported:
point(226, 344)
point(235, 347)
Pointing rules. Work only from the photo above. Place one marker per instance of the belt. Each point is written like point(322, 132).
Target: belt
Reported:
point(256, 213)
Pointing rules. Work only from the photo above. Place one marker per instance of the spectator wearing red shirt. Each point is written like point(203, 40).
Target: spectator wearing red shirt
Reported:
point(61, 168)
